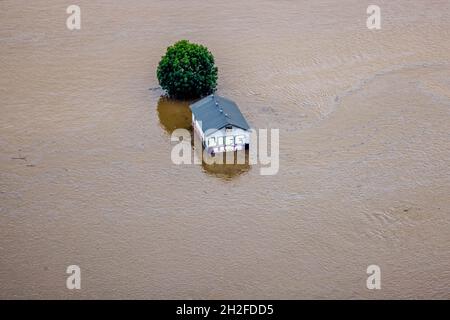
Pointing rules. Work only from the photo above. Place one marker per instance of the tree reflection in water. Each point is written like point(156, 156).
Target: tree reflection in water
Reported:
point(175, 114)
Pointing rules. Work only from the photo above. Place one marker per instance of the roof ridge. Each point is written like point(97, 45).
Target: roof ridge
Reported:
point(217, 112)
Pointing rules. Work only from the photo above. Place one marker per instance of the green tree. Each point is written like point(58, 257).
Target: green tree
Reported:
point(187, 70)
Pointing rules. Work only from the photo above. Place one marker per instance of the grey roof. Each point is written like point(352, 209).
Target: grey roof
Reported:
point(216, 112)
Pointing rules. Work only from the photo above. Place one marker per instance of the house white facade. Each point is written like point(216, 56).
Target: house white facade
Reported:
point(220, 125)
point(223, 140)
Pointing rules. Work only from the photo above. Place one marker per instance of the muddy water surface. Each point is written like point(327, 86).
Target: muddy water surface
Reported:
point(86, 176)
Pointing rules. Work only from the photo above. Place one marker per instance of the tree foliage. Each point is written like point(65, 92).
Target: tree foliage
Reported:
point(187, 70)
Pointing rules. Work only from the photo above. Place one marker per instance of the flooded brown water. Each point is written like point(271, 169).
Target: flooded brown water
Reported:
point(86, 176)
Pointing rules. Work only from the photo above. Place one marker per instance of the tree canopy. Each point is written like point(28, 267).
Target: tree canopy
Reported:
point(187, 70)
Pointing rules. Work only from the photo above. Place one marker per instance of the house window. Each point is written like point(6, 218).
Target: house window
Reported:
point(220, 141)
point(228, 129)
point(239, 139)
point(229, 140)
point(212, 142)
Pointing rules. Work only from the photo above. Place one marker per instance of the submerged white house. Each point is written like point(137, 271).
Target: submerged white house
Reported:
point(220, 124)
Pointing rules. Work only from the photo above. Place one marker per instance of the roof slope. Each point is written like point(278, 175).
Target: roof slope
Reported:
point(216, 112)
